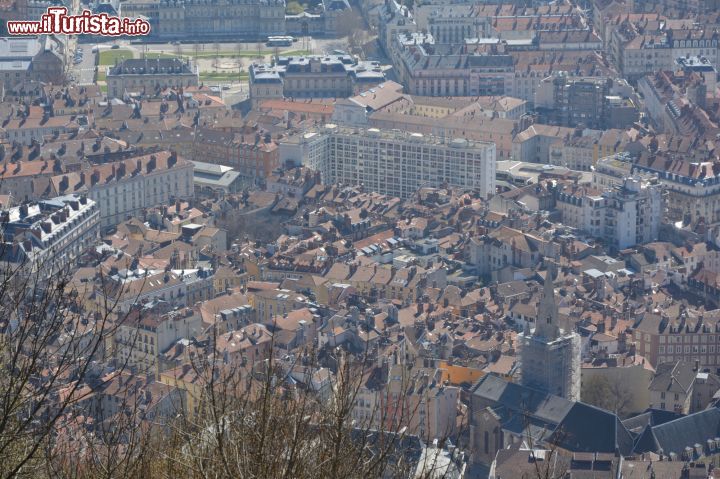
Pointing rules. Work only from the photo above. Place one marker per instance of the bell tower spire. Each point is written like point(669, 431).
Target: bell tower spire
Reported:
point(546, 325)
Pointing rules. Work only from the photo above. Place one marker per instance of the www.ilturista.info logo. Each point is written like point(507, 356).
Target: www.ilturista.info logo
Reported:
point(57, 21)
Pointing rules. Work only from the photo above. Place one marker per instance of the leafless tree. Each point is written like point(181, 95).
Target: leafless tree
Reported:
point(608, 393)
point(51, 340)
point(252, 421)
point(226, 417)
point(350, 24)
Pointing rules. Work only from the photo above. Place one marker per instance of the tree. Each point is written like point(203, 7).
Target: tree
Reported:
point(50, 342)
point(294, 8)
point(607, 393)
point(62, 343)
point(350, 24)
point(216, 47)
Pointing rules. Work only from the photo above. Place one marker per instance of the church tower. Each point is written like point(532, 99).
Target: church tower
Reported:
point(549, 356)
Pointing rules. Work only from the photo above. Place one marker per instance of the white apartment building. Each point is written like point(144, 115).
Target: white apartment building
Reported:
point(624, 215)
point(145, 335)
point(123, 189)
point(51, 234)
point(693, 187)
point(393, 162)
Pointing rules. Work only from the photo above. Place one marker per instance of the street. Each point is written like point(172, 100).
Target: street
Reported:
point(84, 72)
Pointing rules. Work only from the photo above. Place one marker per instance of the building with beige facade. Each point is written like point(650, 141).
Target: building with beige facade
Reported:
point(235, 19)
point(330, 76)
point(123, 189)
point(693, 189)
point(146, 75)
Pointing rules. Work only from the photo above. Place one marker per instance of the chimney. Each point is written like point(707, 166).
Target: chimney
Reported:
point(152, 163)
point(82, 177)
point(172, 159)
point(94, 178)
point(23, 210)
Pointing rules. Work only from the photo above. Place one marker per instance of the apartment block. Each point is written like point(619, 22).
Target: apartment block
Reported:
point(421, 402)
point(623, 215)
point(49, 235)
point(145, 334)
point(393, 162)
point(674, 335)
point(590, 102)
point(693, 187)
point(124, 188)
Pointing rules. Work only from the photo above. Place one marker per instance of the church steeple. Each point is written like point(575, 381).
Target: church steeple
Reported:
point(546, 325)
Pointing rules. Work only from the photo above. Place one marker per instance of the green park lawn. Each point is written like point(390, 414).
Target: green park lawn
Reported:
point(108, 57)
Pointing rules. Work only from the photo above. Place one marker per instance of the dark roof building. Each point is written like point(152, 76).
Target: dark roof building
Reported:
point(140, 75)
point(504, 413)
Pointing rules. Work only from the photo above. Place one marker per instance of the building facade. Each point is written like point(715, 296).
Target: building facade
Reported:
point(394, 163)
point(662, 339)
point(147, 75)
point(246, 19)
point(50, 235)
point(585, 102)
point(143, 337)
point(24, 59)
point(693, 188)
point(331, 76)
point(623, 215)
point(124, 188)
